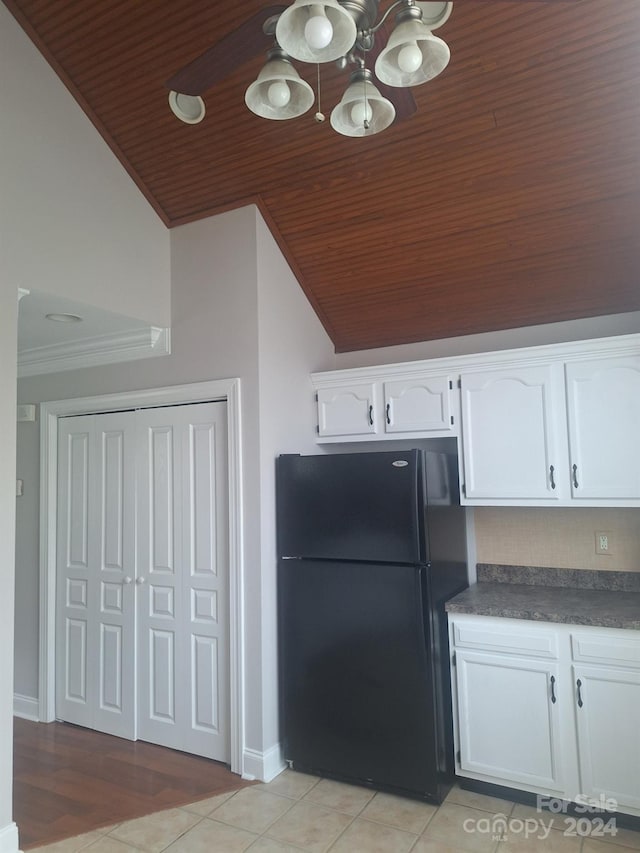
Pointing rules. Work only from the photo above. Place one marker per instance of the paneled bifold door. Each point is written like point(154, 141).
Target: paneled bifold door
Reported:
point(142, 576)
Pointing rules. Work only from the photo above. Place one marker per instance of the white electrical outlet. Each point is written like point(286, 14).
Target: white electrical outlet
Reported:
point(603, 542)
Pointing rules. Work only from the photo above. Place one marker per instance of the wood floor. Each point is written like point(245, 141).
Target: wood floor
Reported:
point(69, 780)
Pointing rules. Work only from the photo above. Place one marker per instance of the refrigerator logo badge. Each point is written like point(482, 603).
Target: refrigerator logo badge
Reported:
point(400, 463)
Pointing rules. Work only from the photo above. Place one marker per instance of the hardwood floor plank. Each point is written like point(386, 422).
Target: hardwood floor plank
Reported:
point(69, 780)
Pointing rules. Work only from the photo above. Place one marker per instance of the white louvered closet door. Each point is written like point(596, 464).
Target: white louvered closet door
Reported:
point(142, 610)
point(95, 627)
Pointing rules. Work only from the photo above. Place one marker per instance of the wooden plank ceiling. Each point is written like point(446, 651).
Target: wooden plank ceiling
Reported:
point(511, 198)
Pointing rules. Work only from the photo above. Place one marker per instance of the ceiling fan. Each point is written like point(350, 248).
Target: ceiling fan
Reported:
point(349, 32)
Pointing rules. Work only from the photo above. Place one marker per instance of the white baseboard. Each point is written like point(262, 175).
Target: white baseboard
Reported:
point(26, 708)
point(264, 766)
point(9, 839)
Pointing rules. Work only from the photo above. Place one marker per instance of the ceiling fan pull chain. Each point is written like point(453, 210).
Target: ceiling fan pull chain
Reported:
point(319, 115)
point(366, 105)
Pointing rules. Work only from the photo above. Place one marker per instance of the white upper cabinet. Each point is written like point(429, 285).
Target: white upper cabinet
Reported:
point(398, 407)
point(603, 400)
point(555, 425)
point(512, 448)
point(563, 432)
point(418, 404)
point(348, 410)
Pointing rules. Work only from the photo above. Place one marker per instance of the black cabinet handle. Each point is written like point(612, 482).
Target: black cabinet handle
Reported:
point(553, 689)
point(388, 413)
point(579, 685)
point(575, 476)
point(553, 482)
point(370, 415)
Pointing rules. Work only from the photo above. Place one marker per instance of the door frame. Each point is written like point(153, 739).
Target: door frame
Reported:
point(217, 390)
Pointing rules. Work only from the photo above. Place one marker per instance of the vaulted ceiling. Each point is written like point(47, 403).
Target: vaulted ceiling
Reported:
point(510, 198)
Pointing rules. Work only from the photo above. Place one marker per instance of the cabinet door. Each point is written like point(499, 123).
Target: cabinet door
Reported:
point(603, 399)
point(607, 702)
point(511, 423)
point(417, 405)
point(348, 410)
point(508, 721)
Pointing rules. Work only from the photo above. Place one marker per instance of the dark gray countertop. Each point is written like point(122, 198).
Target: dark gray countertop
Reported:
point(551, 600)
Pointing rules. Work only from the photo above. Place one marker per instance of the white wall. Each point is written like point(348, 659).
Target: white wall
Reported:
point(527, 336)
point(292, 344)
point(214, 336)
point(228, 320)
point(73, 223)
point(8, 345)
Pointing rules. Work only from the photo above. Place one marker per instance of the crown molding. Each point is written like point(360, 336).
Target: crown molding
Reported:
point(584, 350)
point(90, 352)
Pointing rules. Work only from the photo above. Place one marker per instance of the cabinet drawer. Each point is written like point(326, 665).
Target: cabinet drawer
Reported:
point(605, 648)
point(512, 641)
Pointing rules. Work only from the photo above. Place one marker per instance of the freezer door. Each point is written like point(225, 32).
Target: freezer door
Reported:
point(356, 681)
point(352, 506)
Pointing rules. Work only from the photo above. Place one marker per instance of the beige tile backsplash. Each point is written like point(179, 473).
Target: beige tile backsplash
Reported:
point(557, 537)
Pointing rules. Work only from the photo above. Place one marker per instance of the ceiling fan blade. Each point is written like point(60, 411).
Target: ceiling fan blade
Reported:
point(233, 50)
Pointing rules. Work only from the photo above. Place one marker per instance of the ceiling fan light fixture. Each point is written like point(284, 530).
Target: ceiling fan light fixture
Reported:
point(362, 111)
point(188, 108)
point(303, 28)
point(399, 64)
point(318, 31)
point(435, 14)
point(278, 92)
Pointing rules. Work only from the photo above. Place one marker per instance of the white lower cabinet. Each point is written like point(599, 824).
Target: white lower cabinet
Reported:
point(508, 726)
point(606, 684)
point(551, 709)
point(607, 703)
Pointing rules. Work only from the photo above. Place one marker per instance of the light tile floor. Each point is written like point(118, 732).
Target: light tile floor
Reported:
point(299, 812)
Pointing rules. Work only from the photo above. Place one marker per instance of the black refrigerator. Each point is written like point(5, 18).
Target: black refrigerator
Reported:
point(371, 545)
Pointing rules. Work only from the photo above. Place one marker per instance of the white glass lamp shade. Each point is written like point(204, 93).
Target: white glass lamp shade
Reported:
point(435, 13)
point(304, 27)
point(413, 55)
point(278, 92)
point(362, 111)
